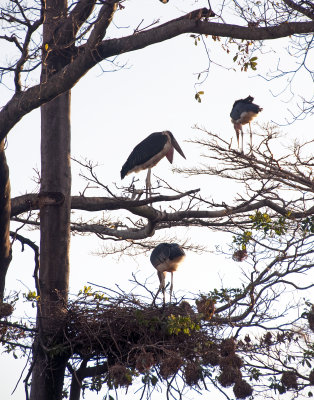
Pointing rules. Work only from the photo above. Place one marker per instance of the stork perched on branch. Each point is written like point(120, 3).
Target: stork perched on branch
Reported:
point(243, 111)
point(149, 152)
point(166, 257)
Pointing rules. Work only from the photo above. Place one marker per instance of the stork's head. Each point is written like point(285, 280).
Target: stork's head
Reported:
point(174, 145)
point(249, 99)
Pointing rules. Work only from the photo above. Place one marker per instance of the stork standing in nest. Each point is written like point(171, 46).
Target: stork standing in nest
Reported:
point(166, 257)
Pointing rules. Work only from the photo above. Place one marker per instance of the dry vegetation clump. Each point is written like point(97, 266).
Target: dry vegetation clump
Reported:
point(119, 376)
point(206, 307)
point(6, 309)
point(311, 377)
point(144, 361)
point(232, 360)
point(310, 318)
point(230, 364)
point(229, 376)
point(289, 380)
point(170, 365)
point(211, 356)
point(227, 347)
point(267, 339)
point(185, 308)
point(242, 389)
point(240, 255)
point(192, 373)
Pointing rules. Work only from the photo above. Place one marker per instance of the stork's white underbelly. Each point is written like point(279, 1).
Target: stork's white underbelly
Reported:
point(246, 117)
point(170, 265)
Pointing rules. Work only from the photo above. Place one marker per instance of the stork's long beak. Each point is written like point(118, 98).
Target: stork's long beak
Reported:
point(169, 155)
point(175, 144)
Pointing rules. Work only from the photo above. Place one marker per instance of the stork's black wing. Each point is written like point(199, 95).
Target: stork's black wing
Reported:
point(144, 151)
point(160, 254)
point(240, 106)
point(164, 252)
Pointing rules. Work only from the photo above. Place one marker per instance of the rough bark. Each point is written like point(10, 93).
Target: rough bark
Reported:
point(54, 241)
point(54, 244)
point(49, 368)
point(5, 212)
point(82, 373)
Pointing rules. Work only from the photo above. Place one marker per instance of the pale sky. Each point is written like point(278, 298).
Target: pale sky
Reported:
point(114, 111)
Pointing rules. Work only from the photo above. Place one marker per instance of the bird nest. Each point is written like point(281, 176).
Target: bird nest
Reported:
point(126, 332)
point(133, 338)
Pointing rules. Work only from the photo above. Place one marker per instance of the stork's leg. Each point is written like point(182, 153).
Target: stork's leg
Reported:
point(148, 183)
point(162, 280)
point(242, 139)
point(163, 285)
point(251, 136)
point(238, 134)
point(171, 286)
point(238, 128)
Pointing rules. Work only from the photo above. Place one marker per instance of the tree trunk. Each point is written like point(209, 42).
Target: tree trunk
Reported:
point(48, 373)
point(49, 359)
point(5, 214)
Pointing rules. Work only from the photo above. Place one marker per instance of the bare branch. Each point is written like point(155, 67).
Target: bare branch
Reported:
point(65, 79)
point(301, 9)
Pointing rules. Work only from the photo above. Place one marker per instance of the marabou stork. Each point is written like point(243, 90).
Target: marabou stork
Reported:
point(166, 257)
point(149, 152)
point(243, 111)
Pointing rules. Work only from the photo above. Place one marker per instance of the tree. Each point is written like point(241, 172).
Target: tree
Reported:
point(273, 232)
point(73, 42)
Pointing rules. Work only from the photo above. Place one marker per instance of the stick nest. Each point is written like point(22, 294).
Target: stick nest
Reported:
point(131, 338)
